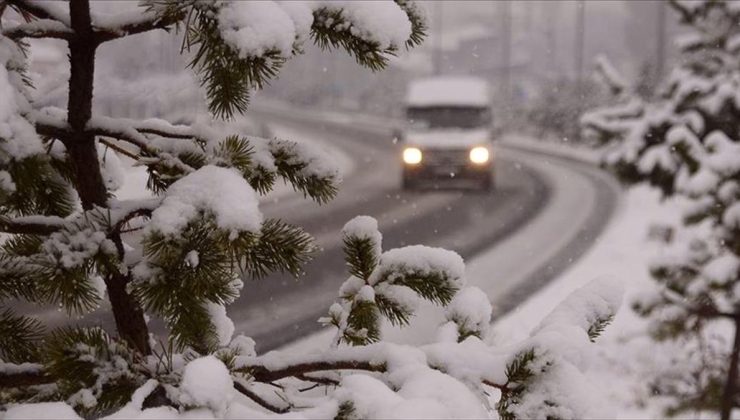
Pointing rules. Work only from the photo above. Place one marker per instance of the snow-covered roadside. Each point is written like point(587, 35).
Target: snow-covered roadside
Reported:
point(554, 148)
point(621, 254)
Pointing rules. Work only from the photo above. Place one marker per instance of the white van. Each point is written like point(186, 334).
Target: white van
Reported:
point(448, 130)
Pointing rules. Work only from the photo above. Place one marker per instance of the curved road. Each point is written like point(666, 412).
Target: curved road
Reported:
point(545, 212)
point(280, 309)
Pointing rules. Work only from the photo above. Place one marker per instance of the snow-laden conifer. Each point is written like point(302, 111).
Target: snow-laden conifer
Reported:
point(686, 143)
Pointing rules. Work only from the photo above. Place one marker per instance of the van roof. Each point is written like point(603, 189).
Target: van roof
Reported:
point(448, 90)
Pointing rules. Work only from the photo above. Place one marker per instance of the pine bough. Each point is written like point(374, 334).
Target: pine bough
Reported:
point(685, 142)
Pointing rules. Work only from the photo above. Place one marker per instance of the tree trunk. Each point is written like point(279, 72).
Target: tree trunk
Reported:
point(83, 156)
point(730, 391)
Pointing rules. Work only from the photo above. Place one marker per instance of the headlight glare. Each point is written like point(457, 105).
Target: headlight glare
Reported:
point(479, 155)
point(412, 155)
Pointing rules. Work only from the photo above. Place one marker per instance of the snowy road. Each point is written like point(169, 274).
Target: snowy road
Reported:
point(561, 205)
point(546, 211)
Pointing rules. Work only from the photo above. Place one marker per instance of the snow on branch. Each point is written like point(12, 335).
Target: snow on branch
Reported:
point(110, 27)
point(120, 129)
point(390, 284)
point(31, 225)
point(610, 76)
point(452, 376)
point(13, 376)
point(589, 308)
point(42, 28)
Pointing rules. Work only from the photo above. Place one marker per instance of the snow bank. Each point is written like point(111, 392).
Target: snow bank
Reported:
point(624, 353)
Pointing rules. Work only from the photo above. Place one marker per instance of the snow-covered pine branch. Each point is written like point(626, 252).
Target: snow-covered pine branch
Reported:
point(42, 28)
point(450, 377)
point(606, 72)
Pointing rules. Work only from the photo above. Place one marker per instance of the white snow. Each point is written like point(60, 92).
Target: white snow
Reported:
point(723, 269)
point(244, 345)
point(39, 411)
point(207, 382)
point(12, 368)
point(133, 408)
point(317, 163)
point(18, 137)
point(113, 171)
point(625, 353)
point(364, 227)
point(222, 323)
point(424, 394)
point(448, 91)
point(470, 309)
point(74, 248)
point(6, 182)
point(421, 259)
point(221, 192)
point(731, 217)
point(598, 300)
point(378, 21)
point(192, 259)
point(365, 294)
point(301, 14)
point(256, 27)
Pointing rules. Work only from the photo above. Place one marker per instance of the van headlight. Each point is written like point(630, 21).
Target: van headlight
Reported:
point(479, 155)
point(412, 155)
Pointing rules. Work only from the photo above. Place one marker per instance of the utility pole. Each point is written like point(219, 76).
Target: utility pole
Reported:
point(580, 38)
point(438, 17)
point(506, 50)
point(660, 40)
point(553, 8)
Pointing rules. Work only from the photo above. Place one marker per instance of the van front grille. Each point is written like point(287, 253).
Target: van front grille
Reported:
point(445, 157)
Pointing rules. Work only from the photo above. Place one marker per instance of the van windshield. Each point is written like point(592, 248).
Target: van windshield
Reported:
point(448, 117)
